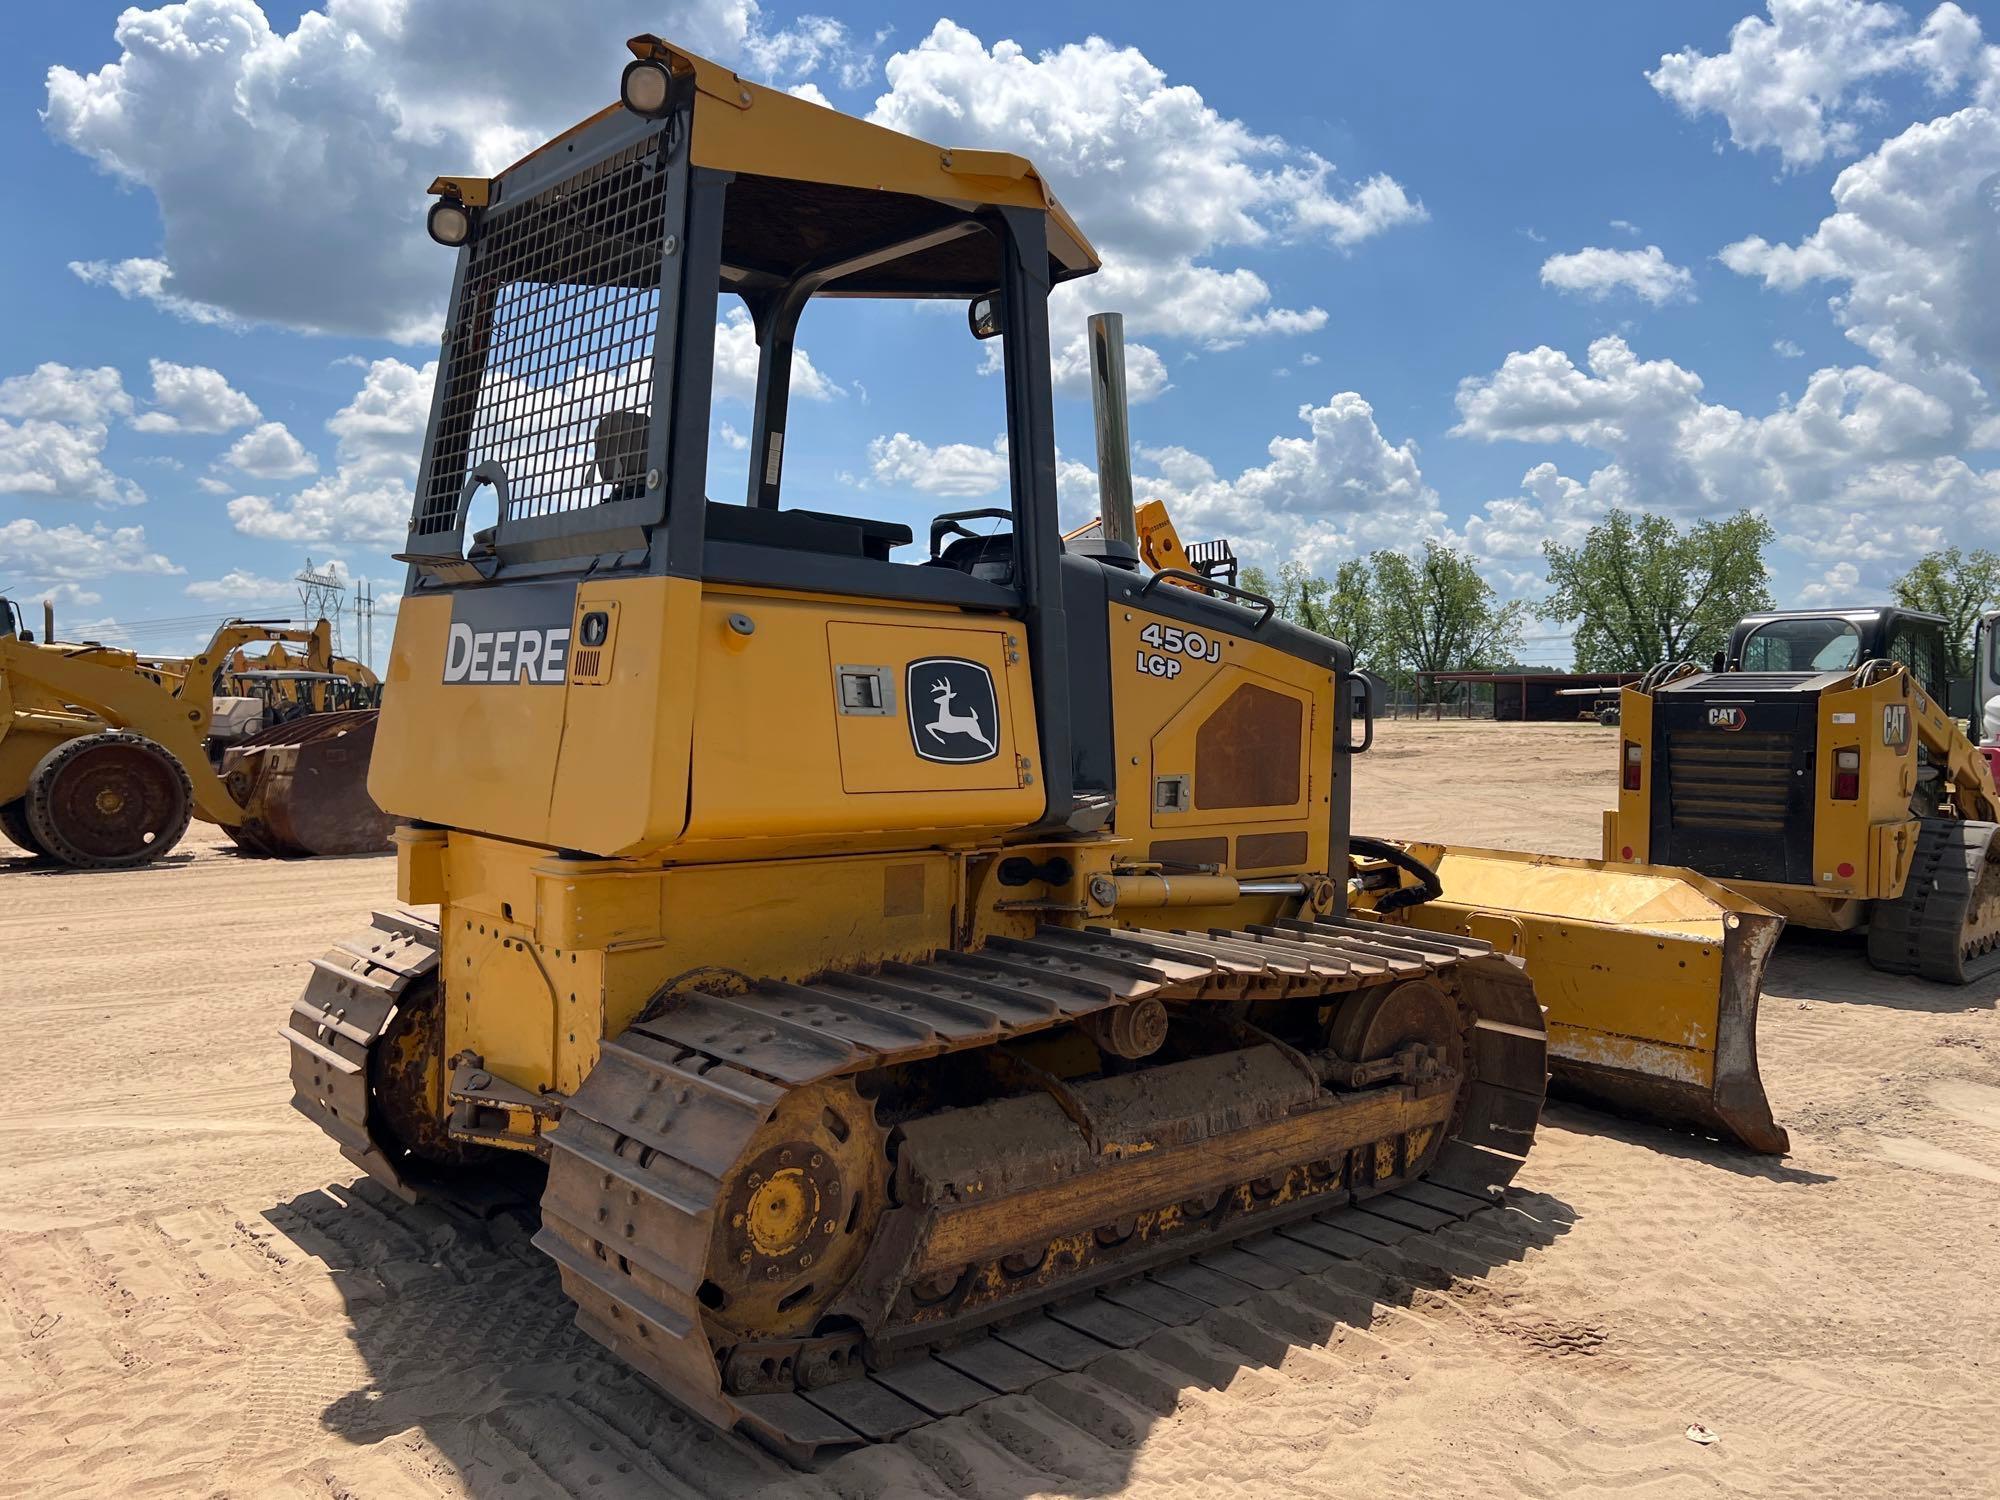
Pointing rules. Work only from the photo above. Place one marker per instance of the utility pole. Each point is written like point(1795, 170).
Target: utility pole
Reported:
point(364, 621)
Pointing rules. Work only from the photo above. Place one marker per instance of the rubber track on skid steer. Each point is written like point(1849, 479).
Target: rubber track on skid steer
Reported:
point(1922, 932)
point(348, 1004)
point(639, 1160)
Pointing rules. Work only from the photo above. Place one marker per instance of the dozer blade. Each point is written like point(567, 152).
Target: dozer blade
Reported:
point(1650, 976)
point(303, 788)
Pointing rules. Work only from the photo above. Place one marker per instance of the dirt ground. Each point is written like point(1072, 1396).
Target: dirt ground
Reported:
point(197, 1298)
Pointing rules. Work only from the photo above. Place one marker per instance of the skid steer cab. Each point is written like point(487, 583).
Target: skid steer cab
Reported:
point(1819, 770)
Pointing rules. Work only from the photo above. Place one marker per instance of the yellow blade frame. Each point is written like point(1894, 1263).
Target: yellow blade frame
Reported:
point(1650, 976)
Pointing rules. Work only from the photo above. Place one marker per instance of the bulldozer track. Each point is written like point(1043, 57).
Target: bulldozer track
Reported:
point(348, 1005)
point(1945, 926)
point(642, 1161)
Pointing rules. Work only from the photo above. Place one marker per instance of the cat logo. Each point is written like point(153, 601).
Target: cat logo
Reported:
point(953, 711)
point(1727, 718)
point(1896, 725)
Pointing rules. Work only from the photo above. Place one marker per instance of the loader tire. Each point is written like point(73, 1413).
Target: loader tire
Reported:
point(108, 801)
point(14, 824)
point(1945, 927)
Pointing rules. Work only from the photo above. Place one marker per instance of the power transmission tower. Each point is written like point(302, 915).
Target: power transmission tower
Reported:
point(322, 596)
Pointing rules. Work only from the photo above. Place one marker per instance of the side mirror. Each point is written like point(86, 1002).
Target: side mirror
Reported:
point(27, 637)
point(982, 316)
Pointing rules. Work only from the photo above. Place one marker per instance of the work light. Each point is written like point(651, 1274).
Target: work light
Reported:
point(644, 87)
point(449, 223)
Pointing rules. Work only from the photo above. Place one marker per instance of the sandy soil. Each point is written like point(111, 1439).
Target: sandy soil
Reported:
point(198, 1298)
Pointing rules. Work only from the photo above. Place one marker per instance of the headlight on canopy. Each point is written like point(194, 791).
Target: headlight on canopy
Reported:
point(644, 87)
point(449, 222)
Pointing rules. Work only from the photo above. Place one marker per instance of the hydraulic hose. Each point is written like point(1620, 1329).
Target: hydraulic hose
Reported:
point(1428, 888)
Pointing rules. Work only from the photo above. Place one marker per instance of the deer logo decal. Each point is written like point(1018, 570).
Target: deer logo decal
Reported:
point(954, 712)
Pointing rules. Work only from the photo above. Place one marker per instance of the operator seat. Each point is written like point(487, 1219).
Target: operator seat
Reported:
point(619, 447)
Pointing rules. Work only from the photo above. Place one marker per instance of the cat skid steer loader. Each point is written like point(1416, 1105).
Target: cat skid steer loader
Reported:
point(877, 954)
point(106, 755)
point(1819, 772)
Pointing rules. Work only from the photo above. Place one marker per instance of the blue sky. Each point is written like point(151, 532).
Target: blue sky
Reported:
point(1390, 271)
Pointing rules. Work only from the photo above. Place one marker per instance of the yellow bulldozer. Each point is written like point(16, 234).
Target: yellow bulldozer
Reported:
point(105, 755)
point(900, 969)
point(1818, 769)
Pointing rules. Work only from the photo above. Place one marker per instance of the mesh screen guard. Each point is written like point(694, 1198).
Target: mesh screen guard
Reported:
point(548, 360)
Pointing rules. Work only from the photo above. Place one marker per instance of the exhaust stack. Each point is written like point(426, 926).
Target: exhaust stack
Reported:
point(48, 620)
point(1114, 436)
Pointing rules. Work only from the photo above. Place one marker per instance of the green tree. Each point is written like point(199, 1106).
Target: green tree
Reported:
point(1958, 585)
point(1340, 606)
point(1640, 591)
point(1437, 614)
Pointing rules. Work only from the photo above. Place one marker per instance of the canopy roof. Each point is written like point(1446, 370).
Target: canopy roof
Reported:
point(816, 189)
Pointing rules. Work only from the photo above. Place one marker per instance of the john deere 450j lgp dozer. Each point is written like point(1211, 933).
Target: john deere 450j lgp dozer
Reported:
point(1819, 772)
point(876, 953)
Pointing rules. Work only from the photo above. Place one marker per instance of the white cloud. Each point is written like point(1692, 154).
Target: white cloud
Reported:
point(1145, 372)
point(1862, 465)
point(144, 279)
point(1838, 585)
point(240, 587)
point(194, 398)
point(73, 553)
point(288, 165)
point(367, 498)
point(1787, 349)
point(1161, 180)
point(736, 363)
point(270, 452)
point(810, 44)
point(59, 461)
point(1627, 227)
point(72, 595)
point(1550, 507)
point(55, 450)
point(1339, 490)
point(1596, 273)
point(57, 393)
point(960, 470)
point(1797, 83)
point(1913, 245)
point(733, 440)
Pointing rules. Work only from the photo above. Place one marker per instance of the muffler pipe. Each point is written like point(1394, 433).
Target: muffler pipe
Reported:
point(1114, 433)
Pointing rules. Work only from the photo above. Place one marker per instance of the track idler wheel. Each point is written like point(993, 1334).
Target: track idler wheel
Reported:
point(798, 1213)
point(1377, 1024)
point(108, 801)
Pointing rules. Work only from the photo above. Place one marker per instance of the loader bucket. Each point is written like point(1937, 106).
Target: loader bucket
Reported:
point(1650, 976)
point(303, 788)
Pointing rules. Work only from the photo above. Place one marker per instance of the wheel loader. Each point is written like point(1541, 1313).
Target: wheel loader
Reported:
point(105, 756)
point(894, 968)
point(1816, 768)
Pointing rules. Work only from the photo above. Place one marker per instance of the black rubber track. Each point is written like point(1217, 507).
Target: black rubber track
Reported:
point(1924, 931)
